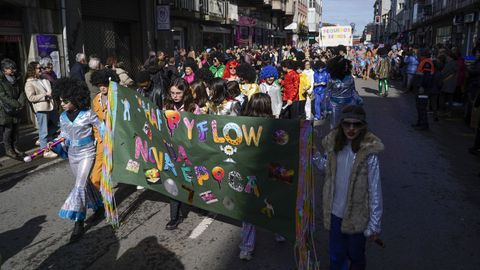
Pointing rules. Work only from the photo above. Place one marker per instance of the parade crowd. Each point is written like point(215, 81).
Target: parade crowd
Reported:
point(312, 83)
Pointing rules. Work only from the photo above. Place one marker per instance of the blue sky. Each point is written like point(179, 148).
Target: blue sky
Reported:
point(346, 11)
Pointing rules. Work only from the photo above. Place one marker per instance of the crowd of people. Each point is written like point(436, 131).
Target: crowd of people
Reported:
point(289, 83)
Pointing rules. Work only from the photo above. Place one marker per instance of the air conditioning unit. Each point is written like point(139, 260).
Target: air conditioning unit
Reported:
point(469, 18)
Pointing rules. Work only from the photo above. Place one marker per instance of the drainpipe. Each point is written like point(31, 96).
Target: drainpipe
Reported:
point(64, 36)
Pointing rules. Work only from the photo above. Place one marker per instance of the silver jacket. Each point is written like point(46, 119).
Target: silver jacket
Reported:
point(343, 91)
point(79, 132)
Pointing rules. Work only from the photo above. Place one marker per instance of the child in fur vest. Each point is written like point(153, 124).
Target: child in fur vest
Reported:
point(352, 193)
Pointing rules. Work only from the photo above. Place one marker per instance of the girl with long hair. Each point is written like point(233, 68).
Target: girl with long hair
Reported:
point(39, 93)
point(352, 193)
point(222, 102)
point(200, 95)
point(259, 105)
point(179, 98)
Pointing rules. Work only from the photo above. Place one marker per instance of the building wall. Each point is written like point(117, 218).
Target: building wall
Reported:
point(314, 15)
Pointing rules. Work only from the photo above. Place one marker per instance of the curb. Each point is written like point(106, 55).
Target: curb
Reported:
point(29, 171)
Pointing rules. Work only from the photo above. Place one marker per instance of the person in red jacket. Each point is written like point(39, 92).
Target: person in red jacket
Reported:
point(290, 85)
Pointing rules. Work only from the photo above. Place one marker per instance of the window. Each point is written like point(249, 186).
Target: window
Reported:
point(443, 34)
point(244, 32)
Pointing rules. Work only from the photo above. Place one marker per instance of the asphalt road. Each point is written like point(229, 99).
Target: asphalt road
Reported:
point(431, 203)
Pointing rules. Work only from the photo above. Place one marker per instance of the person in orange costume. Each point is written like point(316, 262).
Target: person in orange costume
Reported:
point(101, 79)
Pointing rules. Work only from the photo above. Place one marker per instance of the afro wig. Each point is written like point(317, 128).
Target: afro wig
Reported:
point(319, 64)
point(339, 67)
point(103, 76)
point(217, 55)
point(190, 62)
point(247, 73)
point(73, 90)
point(267, 72)
point(205, 75)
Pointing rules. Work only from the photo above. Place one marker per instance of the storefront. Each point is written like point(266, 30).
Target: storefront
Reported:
point(215, 35)
point(26, 37)
point(251, 31)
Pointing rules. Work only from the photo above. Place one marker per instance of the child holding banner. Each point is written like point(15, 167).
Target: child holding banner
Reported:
point(101, 79)
point(179, 98)
point(352, 193)
point(259, 105)
point(77, 123)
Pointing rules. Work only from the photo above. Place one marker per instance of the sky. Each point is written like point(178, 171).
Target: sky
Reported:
point(345, 12)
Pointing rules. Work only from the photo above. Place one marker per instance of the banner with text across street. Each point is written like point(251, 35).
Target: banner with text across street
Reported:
point(331, 36)
point(246, 168)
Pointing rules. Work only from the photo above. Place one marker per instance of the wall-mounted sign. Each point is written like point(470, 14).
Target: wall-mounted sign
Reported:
point(163, 17)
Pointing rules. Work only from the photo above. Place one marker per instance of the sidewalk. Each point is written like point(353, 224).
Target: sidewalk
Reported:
point(11, 169)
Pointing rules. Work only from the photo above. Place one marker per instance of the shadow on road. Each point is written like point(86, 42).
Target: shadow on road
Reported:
point(370, 90)
point(13, 241)
point(99, 250)
point(18, 176)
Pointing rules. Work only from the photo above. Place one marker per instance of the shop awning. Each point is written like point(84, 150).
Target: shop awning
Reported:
point(292, 26)
point(215, 29)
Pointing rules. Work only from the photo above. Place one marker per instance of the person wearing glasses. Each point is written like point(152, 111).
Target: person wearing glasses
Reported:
point(12, 101)
point(77, 123)
point(39, 94)
point(352, 193)
point(230, 73)
point(179, 98)
point(217, 68)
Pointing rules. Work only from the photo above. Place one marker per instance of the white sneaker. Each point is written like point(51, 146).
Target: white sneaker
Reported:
point(245, 255)
point(50, 154)
point(37, 143)
point(140, 188)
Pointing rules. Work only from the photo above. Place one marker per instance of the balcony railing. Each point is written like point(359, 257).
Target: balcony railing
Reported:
point(438, 7)
point(191, 5)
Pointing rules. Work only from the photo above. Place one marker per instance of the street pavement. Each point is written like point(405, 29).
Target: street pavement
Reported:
point(431, 211)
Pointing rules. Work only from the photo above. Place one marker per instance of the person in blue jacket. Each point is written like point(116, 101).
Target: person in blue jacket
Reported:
point(320, 78)
point(411, 62)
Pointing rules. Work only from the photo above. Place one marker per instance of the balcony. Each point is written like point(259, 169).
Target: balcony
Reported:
point(214, 10)
point(255, 3)
point(187, 4)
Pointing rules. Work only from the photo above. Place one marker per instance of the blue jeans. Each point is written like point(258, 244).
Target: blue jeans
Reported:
point(47, 126)
point(345, 248)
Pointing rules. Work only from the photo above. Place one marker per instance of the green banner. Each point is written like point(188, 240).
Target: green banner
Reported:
point(245, 168)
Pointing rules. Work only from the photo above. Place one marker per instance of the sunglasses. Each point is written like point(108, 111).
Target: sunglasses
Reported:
point(232, 68)
point(356, 125)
